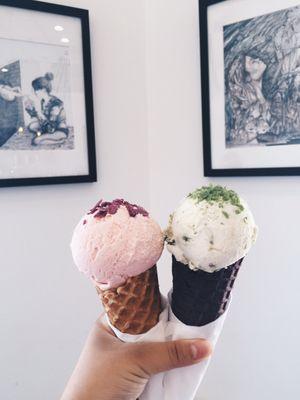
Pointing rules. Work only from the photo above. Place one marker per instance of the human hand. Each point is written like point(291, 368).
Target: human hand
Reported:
point(109, 369)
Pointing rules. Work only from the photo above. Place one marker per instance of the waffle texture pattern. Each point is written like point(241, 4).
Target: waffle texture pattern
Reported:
point(135, 306)
point(201, 297)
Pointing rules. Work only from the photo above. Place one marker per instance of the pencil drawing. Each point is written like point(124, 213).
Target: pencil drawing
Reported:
point(262, 79)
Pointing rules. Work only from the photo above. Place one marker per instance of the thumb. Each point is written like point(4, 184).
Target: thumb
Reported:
point(153, 358)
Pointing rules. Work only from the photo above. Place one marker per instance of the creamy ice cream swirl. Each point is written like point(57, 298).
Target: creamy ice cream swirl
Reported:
point(211, 229)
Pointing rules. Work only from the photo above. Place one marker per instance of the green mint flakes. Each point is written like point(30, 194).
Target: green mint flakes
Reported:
point(226, 215)
point(219, 194)
point(185, 238)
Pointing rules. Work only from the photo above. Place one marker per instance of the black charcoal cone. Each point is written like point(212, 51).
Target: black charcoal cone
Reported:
point(201, 297)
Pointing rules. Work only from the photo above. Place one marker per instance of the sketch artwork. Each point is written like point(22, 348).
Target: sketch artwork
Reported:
point(34, 95)
point(262, 79)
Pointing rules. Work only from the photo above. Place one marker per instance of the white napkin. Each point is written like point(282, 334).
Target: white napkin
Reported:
point(180, 383)
point(183, 383)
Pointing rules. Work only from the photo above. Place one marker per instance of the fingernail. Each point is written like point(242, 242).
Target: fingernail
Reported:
point(200, 349)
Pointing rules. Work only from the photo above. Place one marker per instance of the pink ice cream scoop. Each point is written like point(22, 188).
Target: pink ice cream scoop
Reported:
point(114, 241)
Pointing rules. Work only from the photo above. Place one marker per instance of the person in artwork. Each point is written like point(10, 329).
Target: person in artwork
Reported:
point(48, 123)
point(249, 107)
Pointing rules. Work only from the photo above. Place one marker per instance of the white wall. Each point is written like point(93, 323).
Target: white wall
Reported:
point(258, 354)
point(149, 147)
point(46, 306)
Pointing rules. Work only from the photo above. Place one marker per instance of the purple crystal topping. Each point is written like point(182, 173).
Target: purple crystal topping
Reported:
point(102, 208)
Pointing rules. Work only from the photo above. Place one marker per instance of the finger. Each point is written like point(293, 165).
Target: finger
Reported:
point(153, 358)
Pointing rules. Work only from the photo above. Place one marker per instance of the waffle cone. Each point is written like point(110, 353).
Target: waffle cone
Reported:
point(201, 297)
point(135, 306)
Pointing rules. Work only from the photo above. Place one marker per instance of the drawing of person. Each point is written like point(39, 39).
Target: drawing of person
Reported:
point(250, 108)
point(49, 120)
point(262, 67)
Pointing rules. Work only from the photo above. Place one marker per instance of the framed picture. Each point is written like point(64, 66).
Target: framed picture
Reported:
point(250, 66)
point(46, 102)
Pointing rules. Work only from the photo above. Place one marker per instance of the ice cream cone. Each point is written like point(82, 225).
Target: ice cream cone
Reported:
point(135, 306)
point(201, 297)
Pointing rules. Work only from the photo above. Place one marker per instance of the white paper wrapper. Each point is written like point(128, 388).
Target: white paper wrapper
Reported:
point(181, 383)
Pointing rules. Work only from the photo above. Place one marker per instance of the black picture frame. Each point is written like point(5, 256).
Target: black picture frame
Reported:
point(83, 16)
point(209, 171)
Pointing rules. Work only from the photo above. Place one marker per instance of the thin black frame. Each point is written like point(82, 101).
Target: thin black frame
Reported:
point(208, 169)
point(83, 15)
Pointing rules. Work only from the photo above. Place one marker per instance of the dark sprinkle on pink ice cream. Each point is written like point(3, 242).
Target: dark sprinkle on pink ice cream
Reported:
point(102, 208)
